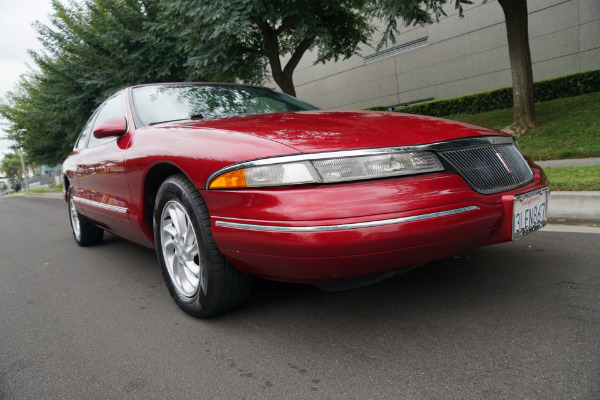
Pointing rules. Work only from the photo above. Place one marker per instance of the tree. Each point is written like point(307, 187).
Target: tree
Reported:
point(91, 49)
point(515, 14)
point(237, 39)
point(517, 31)
point(11, 166)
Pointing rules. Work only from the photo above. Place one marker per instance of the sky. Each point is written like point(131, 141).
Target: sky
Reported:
point(17, 35)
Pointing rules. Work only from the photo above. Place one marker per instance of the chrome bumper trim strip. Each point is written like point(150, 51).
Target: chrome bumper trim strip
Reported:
point(121, 210)
point(357, 225)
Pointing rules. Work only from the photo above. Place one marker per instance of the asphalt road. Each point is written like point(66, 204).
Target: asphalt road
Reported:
point(513, 321)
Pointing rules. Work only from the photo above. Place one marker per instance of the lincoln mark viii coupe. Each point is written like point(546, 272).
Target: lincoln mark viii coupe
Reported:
point(228, 182)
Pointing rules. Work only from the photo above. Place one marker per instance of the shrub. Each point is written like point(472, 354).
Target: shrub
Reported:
point(550, 89)
point(378, 108)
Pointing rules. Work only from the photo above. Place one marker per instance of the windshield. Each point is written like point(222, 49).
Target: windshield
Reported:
point(164, 103)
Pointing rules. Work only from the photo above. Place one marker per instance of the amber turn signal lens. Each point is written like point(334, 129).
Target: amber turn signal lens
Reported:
point(233, 179)
point(294, 173)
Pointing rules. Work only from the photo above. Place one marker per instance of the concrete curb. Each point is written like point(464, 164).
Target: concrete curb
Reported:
point(574, 205)
point(571, 229)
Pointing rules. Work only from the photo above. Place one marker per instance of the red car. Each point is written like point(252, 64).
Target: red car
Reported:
point(228, 182)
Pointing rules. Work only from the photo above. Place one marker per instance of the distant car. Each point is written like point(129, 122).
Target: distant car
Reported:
point(3, 189)
point(228, 182)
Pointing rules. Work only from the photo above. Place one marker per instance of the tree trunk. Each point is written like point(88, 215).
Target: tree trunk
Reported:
point(283, 76)
point(515, 14)
point(287, 85)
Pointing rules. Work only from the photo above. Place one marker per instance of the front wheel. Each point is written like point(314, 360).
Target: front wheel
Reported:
point(201, 281)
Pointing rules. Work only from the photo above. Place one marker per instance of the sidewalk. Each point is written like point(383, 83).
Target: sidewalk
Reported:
point(56, 195)
point(573, 162)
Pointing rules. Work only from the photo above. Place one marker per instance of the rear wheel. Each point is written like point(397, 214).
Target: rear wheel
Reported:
point(84, 232)
point(201, 281)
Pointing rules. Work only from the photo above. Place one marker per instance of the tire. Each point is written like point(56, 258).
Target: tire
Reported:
point(201, 281)
point(84, 232)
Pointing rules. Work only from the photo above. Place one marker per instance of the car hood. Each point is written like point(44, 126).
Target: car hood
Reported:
point(316, 131)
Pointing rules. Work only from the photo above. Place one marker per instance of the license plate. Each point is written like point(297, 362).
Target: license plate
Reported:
point(529, 212)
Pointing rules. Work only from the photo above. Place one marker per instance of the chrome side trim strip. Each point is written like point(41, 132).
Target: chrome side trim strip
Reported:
point(357, 225)
point(121, 210)
point(438, 147)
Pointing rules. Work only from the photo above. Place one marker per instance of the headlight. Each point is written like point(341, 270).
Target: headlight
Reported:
point(376, 166)
point(324, 168)
point(264, 175)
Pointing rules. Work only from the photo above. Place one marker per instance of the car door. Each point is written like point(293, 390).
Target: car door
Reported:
point(102, 191)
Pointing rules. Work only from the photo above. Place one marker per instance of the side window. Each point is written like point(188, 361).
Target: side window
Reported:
point(111, 108)
point(85, 133)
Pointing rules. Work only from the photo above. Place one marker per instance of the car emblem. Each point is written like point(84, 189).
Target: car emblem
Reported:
point(503, 161)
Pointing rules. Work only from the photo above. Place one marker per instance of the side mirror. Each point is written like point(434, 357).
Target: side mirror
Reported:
point(113, 127)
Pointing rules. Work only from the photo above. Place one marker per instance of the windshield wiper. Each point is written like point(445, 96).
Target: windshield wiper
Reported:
point(164, 122)
point(194, 116)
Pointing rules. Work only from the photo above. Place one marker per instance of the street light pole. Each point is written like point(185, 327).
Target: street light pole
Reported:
point(20, 150)
point(23, 167)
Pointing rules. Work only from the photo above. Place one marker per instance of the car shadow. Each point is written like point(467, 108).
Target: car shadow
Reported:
point(485, 280)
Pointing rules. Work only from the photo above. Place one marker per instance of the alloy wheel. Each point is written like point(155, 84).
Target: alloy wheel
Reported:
point(180, 250)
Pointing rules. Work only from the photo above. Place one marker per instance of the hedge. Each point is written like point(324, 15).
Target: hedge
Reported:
point(550, 89)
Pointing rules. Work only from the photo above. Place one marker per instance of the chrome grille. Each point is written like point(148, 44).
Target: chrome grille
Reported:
point(491, 169)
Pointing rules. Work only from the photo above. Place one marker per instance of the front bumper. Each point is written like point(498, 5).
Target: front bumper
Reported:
point(333, 232)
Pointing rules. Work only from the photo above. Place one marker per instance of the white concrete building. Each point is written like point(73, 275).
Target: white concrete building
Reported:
point(456, 56)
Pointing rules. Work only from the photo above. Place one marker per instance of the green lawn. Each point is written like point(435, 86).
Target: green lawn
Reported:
point(568, 128)
point(57, 188)
point(574, 178)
